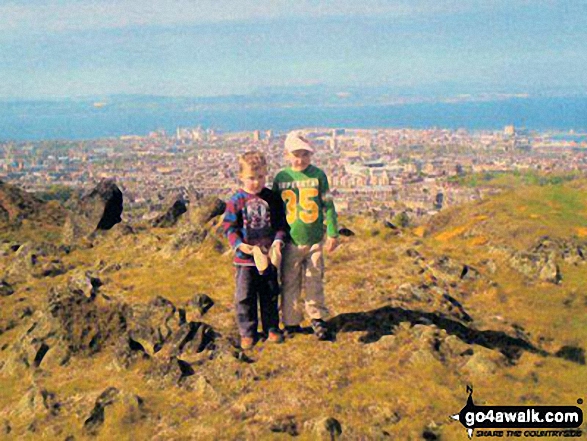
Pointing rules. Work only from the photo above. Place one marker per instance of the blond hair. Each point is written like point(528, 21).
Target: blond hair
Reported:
point(252, 161)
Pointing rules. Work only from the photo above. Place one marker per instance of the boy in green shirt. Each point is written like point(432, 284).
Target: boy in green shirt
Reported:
point(304, 190)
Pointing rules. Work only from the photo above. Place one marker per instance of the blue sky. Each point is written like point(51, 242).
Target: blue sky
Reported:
point(187, 48)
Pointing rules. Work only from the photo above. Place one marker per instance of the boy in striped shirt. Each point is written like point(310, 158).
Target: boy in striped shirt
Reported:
point(254, 224)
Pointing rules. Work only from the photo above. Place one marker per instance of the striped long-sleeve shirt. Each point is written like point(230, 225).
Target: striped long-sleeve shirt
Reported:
point(253, 219)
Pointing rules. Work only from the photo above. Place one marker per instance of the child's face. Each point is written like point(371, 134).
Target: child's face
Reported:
point(299, 159)
point(253, 180)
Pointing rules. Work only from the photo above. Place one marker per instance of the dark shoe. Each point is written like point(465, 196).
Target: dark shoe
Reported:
point(291, 330)
point(321, 330)
point(247, 342)
point(275, 336)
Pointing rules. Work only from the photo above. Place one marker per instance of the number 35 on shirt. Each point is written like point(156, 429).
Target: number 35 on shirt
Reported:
point(304, 209)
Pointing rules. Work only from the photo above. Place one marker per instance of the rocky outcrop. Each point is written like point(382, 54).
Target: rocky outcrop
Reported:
point(537, 266)
point(99, 209)
point(177, 207)
point(103, 205)
point(203, 210)
point(17, 205)
point(200, 225)
point(541, 261)
point(114, 405)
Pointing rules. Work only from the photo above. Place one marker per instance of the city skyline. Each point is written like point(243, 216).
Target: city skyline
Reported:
point(79, 48)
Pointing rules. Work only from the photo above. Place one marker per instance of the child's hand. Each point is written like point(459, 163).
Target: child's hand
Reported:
point(275, 253)
point(331, 244)
point(247, 249)
point(276, 249)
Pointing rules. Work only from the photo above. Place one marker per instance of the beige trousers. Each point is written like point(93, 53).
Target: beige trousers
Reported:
point(302, 268)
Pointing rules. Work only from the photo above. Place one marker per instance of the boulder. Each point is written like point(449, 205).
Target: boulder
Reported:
point(203, 210)
point(550, 272)
point(344, 231)
point(152, 324)
point(85, 323)
point(103, 205)
point(99, 209)
point(23, 264)
point(286, 424)
point(195, 308)
point(324, 429)
point(177, 207)
point(114, 407)
point(572, 353)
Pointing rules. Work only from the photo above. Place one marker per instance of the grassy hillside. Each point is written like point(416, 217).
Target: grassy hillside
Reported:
point(413, 330)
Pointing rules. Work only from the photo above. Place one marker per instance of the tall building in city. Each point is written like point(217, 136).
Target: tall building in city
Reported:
point(509, 130)
point(257, 135)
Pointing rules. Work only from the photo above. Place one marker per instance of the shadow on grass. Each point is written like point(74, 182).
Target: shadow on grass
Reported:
point(382, 321)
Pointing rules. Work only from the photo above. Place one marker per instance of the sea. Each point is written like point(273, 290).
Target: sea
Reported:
point(85, 119)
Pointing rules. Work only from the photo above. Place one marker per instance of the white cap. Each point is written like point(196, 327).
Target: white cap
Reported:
point(294, 141)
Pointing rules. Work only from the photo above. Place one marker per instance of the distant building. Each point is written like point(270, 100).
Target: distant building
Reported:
point(257, 135)
point(509, 130)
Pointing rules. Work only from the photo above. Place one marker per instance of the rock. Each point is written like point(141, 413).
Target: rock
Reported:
point(205, 390)
point(198, 226)
point(36, 402)
point(389, 225)
point(23, 264)
point(100, 209)
point(525, 263)
point(430, 435)
point(572, 353)
point(17, 205)
point(56, 356)
point(344, 231)
point(173, 213)
point(172, 369)
point(324, 429)
point(85, 282)
point(469, 273)
point(450, 267)
point(5, 289)
point(411, 252)
point(286, 424)
point(550, 272)
point(423, 357)
point(203, 210)
point(197, 306)
point(482, 362)
point(75, 229)
point(85, 324)
point(193, 351)
point(103, 205)
point(114, 407)
point(190, 234)
point(50, 269)
point(152, 324)
point(191, 337)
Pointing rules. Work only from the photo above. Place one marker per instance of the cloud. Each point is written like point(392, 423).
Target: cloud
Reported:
point(64, 15)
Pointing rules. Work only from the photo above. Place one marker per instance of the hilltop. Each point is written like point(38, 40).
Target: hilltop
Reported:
point(126, 330)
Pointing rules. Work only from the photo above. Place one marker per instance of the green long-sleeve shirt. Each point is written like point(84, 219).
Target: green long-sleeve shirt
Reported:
point(307, 200)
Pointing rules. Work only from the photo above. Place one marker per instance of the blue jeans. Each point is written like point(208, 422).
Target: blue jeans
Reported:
point(254, 289)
